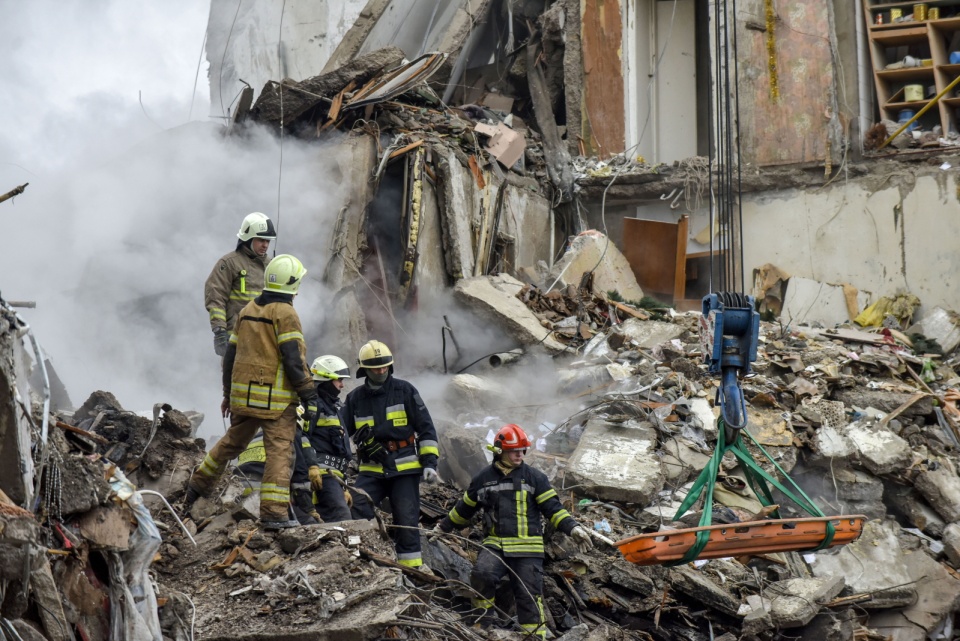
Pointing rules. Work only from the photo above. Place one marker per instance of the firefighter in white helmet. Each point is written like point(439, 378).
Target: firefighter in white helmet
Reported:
point(237, 278)
point(265, 378)
point(330, 453)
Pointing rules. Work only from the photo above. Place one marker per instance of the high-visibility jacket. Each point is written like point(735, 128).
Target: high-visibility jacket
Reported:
point(235, 280)
point(513, 505)
point(265, 367)
point(400, 422)
point(328, 436)
point(253, 460)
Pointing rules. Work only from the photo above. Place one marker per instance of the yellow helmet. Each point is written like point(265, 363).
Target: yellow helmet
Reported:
point(374, 354)
point(256, 225)
point(283, 275)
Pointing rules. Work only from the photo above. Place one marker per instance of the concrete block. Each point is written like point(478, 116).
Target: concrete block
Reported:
point(572, 381)
point(616, 463)
point(872, 563)
point(468, 392)
point(951, 543)
point(808, 301)
point(681, 461)
point(881, 451)
point(798, 600)
point(941, 488)
point(613, 273)
point(701, 589)
point(831, 443)
point(831, 626)
point(907, 504)
point(494, 298)
point(648, 334)
point(758, 619)
point(940, 325)
point(463, 454)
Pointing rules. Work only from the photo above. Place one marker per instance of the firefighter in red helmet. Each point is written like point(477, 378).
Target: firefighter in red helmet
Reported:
point(513, 496)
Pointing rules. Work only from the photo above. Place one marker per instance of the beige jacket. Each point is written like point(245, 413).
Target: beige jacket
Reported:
point(236, 279)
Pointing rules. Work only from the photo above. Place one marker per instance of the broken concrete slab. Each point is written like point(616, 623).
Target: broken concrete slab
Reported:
point(464, 453)
point(883, 400)
point(879, 449)
point(831, 626)
point(941, 488)
point(874, 563)
point(648, 334)
point(298, 97)
point(681, 461)
point(573, 381)
point(468, 392)
point(47, 594)
point(494, 298)
point(938, 596)
point(758, 618)
point(616, 462)
point(799, 600)
point(808, 301)
point(702, 590)
point(907, 504)
point(460, 195)
point(592, 250)
point(951, 543)
point(940, 325)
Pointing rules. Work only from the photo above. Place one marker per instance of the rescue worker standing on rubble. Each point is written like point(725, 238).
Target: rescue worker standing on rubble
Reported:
point(396, 443)
point(513, 496)
point(237, 278)
point(330, 445)
point(264, 373)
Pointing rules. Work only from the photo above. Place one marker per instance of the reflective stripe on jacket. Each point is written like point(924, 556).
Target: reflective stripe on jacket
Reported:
point(235, 280)
point(513, 505)
point(396, 412)
point(259, 382)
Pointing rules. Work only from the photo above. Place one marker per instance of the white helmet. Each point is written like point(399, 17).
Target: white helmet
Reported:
point(329, 367)
point(256, 225)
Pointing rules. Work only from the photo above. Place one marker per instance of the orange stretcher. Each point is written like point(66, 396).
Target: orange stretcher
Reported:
point(738, 539)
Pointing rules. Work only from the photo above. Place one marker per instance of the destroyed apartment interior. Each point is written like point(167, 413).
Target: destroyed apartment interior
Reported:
point(698, 254)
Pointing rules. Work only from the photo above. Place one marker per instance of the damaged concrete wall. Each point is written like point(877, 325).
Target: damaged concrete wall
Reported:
point(260, 41)
point(14, 423)
point(882, 234)
point(788, 82)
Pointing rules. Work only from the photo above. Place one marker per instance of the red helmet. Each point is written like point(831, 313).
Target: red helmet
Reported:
point(510, 437)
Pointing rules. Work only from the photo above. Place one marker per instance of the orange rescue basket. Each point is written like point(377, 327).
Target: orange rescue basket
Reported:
point(737, 539)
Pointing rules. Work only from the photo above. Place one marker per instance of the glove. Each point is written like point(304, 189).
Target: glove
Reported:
point(220, 339)
point(348, 498)
point(316, 478)
point(582, 538)
point(309, 402)
point(368, 447)
point(430, 476)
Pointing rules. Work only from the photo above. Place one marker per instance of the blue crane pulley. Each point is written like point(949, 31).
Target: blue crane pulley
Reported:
point(729, 328)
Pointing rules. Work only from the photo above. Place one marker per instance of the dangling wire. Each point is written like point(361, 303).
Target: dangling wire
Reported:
point(283, 8)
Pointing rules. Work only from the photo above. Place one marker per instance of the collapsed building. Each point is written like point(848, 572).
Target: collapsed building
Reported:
point(484, 145)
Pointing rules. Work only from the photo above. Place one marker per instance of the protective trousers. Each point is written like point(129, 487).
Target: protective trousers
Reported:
point(330, 501)
point(404, 493)
point(526, 579)
point(278, 445)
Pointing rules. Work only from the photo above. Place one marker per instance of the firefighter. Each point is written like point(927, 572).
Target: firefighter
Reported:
point(513, 497)
point(396, 444)
point(265, 376)
point(330, 445)
point(237, 278)
point(251, 464)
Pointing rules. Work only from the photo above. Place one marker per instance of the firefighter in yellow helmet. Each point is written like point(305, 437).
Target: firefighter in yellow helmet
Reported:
point(396, 443)
point(237, 278)
point(265, 377)
point(515, 498)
